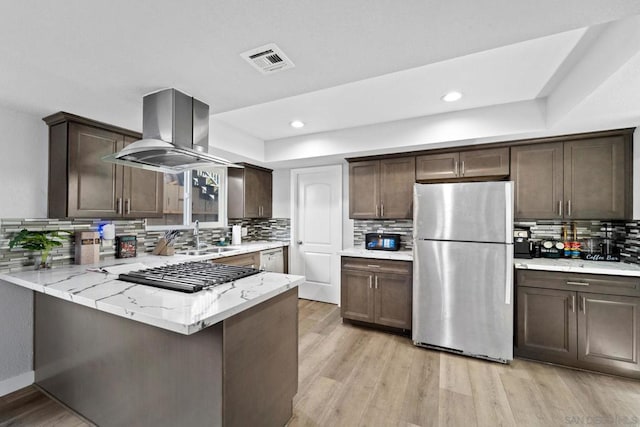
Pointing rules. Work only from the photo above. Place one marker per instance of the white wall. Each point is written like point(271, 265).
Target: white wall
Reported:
point(282, 193)
point(24, 153)
point(16, 337)
point(636, 173)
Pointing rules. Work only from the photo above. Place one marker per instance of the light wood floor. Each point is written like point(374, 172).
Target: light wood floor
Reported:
point(353, 376)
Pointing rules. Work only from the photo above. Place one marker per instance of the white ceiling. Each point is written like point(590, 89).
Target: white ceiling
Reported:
point(357, 62)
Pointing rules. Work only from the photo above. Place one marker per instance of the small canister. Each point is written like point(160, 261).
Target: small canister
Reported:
point(87, 247)
point(575, 249)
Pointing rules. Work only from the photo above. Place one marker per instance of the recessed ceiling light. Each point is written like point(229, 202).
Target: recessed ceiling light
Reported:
point(297, 124)
point(451, 96)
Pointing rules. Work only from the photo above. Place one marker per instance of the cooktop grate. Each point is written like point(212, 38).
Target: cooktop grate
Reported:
point(188, 276)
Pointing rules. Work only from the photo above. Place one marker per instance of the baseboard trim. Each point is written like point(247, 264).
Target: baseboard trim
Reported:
point(16, 383)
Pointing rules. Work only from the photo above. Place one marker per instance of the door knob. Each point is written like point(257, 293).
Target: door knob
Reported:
point(299, 242)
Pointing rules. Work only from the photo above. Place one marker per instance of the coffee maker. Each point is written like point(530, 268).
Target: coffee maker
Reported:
point(521, 244)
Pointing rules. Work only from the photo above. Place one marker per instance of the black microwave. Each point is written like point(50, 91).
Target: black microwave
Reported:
point(382, 242)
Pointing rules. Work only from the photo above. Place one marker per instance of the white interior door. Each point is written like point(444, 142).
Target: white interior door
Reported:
point(317, 231)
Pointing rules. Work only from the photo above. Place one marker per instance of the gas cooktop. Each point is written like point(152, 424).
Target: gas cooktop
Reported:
point(188, 276)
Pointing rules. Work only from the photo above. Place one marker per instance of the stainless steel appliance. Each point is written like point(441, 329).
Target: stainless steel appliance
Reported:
point(175, 131)
point(463, 268)
point(382, 242)
point(188, 276)
point(272, 260)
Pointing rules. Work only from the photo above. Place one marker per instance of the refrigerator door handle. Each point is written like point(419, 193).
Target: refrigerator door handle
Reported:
point(509, 275)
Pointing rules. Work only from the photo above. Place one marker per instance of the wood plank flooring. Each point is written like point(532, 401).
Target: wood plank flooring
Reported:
point(354, 376)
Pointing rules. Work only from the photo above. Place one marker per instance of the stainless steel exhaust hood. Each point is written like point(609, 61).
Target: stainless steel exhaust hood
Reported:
point(175, 135)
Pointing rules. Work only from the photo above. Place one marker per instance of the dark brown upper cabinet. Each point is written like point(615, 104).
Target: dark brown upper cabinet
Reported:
point(381, 188)
point(81, 185)
point(586, 178)
point(485, 163)
point(249, 192)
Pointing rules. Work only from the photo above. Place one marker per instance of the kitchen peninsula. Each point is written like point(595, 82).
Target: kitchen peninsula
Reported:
point(126, 354)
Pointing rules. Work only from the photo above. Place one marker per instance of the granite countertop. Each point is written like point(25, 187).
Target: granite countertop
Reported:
point(403, 255)
point(578, 266)
point(175, 311)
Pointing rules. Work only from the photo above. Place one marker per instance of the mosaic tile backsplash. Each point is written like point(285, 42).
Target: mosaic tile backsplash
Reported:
point(625, 234)
point(17, 259)
point(403, 227)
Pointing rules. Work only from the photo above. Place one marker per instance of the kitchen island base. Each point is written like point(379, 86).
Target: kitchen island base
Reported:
point(115, 371)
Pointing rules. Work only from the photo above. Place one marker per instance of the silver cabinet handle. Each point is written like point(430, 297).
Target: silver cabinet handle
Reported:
point(119, 206)
point(377, 211)
point(573, 303)
point(381, 209)
point(560, 208)
point(578, 283)
point(373, 266)
point(370, 282)
point(376, 282)
point(128, 204)
point(455, 168)
point(569, 207)
point(583, 303)
point(462, 173)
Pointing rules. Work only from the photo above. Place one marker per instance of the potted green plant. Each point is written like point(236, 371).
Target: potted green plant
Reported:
point(42, 241)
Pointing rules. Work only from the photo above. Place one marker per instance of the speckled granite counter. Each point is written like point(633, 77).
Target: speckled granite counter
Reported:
point(364, 253)
point(578, 266)
point(171, 310)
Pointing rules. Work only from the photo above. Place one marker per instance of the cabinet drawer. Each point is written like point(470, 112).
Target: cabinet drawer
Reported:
point(595, 283)
point(377, 265)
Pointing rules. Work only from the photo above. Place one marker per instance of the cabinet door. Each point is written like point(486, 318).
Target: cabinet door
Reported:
point(490, 162)
point(95, 187)
point(356, 295)
point(546, 324)
point(266, 195)
point(537, 172)
point(364, 189)
point(252, 192)
point(437, 166)
point(595, 178)
point(609, 330)
point(397, 177)
point(173, 195)
point(251, 260)
point(392, 306)
point(141, 191)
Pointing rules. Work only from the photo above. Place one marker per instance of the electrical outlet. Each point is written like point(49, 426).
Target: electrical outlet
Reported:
point(244, 232)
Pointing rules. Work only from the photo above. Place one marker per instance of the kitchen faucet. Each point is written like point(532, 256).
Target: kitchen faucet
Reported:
point(196, 234)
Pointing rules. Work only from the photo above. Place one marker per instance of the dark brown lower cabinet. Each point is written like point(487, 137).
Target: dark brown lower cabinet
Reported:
point(581, 320)
point(546, 324)
point(609, 330)
point(377, 291)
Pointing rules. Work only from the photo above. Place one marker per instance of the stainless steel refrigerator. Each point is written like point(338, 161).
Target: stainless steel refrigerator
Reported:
point(463, 268)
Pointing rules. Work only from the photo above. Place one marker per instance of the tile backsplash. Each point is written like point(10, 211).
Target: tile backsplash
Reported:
point(625, 234)
point(17, 259)
point(403, 227)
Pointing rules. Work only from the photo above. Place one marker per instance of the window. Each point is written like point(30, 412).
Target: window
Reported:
point(193, 195)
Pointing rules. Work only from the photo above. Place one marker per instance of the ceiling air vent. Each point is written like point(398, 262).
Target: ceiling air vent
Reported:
point(268, 59)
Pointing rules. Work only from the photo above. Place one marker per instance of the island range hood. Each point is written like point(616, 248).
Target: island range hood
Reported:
point(175, 135)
